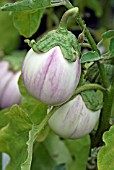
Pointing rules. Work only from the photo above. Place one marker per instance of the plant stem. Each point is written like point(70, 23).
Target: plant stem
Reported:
point(80, 21)
point(87, 33)
point(85, 45)
point(104, 77)
point(53, 4)
point(88, 87)
point(104, 124)
point(83, 27)
point(35, 131)
point(49, 21)
point(64, 19)
point(68, 4)
point(42, 125)
point(108, 95)
point(84, 88)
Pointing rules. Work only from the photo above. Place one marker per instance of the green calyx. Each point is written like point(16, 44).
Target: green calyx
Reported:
point(60, 37)
point(92, 98)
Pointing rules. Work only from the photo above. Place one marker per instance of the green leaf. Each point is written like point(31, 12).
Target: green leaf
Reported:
point(17, 138)
point(19, 129)
point(39, 153)
point(14, 135)
point(90, 56)
point(35, 109)
point(106, 153)
point(28, 22)
point(108, 34)
point(30, 5)
point(79, 150)
point(15, 59)
point(60, 167)
point(109, 67)
point(3, 117)
point(24, 122)
point(57, 149)
point(32, 136)
point(111, 47)
point(9, 37)
point(55, 152)
point(93, 74)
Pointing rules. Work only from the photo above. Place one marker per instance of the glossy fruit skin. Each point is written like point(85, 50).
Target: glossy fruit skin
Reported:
point(49, 77)
point(9, 91)
point(74, 120)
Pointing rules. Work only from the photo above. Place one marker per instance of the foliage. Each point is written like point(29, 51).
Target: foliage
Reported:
point(106, 153)
point(24, 132)
point(9, 40)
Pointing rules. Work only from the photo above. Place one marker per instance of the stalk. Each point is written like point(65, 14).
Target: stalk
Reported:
point(104, 125)
point(64, 19)
point(91, 41)
point(84, 88)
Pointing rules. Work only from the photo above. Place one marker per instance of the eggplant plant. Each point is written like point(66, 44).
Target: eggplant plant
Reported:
point(60, 115)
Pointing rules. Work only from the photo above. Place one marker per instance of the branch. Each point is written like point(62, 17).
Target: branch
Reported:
point(100, 64)
point(108, 96)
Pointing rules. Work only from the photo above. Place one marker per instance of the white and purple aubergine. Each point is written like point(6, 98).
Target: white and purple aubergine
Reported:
point(74, 120)
point(9, 91)
point(49, 77)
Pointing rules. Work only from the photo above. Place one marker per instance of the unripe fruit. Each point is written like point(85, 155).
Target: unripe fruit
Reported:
point(49, 77)
point(9, 91)
point(73, 120)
